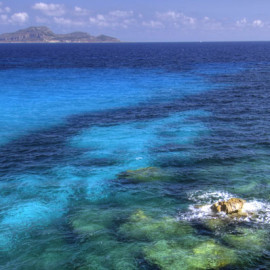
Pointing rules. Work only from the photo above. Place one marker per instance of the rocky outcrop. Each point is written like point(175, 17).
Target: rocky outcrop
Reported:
point(232, 206)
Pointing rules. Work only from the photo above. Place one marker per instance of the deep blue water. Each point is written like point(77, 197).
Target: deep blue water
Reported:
point(74, 117)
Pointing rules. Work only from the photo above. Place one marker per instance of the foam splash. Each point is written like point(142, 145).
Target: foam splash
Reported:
point(261, 211)
point(258, 211)
point(210, 197)
point(195, 213)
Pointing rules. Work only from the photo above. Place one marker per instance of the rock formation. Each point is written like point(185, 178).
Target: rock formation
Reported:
point(232, 206)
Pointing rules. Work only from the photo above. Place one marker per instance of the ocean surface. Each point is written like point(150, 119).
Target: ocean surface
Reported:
point(111, 155)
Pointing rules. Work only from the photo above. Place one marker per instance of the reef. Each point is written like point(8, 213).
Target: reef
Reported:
point(112, 254)
point(249, 239)
point(90, 222)
point(205, 255)
point(173, 244)
point(144, 228)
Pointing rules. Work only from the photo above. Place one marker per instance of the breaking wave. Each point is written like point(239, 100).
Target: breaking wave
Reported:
point(257, 211)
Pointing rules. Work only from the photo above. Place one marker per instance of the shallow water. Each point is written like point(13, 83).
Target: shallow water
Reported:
point(75, 118)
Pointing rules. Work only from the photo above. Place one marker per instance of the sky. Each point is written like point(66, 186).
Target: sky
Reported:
point(144, 20)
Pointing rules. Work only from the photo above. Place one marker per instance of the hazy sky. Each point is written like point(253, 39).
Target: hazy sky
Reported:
point(144, 20)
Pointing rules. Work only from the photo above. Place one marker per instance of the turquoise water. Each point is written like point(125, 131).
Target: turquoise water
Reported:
point(74, 132)
point(34, 99)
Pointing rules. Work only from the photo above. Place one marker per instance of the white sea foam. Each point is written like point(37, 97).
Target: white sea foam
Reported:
point(210, 197)
point(258, 211)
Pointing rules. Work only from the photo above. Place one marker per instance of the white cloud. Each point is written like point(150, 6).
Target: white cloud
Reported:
point(16, 18)
point(257, 23)
point(241, 23)
point(64, 21)
point(177, 18)
point(80, 11)
point(42, 19)
point(181, 20)
point(115, 18)
point(4, 18)
point(20, 17)
point(50, 9)
point(4, 9)
point(153, 24)
point(99, 20)
point(121, 13)
point(7, 9)
point(170, 15)
point(189, 20)
point(208, 23)
point(252, 24)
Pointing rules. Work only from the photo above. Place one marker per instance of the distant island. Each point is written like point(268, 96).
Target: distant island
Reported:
point(43, 34)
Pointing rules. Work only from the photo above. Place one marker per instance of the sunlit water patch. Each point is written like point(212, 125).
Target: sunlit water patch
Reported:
point(34, 99)
point(139, 144)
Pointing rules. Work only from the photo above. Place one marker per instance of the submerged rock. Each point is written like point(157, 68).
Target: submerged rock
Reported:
point(239, 214)
point(147, 174)
point(231, 206)
point(167, 255)
point(215, 224)
point(142, 227)
point(171, 255)
point(53, 259)
point(112, 255)
point(138, 216)
point(250, 244)
point(249, 239)
point(92, 221)
point(210, 255)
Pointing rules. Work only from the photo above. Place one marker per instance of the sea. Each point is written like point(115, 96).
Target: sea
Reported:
point(112, 154)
